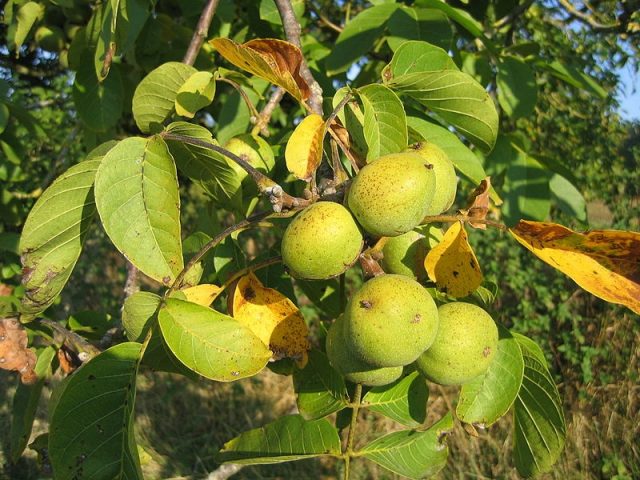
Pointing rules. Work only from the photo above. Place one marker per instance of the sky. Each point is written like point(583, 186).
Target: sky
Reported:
point(629, 100)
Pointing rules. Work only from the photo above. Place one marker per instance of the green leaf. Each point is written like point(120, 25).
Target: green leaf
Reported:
point(539, 426)
point(196, 93)
point(25, 403)
point(457, 98)
point(488, 397)
point(409, 23)
point(320, 389)
point(358, 36)
point(139, 204)
point(526, 188)
point(54, 234)
point(137, 314)
point(414, 57)
point(572, 77)
point(287, 439)
point(210, 343)
point(465, 161)
point(517, 89)
point(352, 119)
point(568, 197)
point(99, 104)
point(412, 453)
point(404, 400)
point(385, 123)
point(202, 165)
point(155, 96)
point(26, 18)
point(478, 66)
point(4, 116)
point(91, 434)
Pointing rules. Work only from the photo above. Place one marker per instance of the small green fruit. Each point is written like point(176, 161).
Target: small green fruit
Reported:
point(321, 242)
point(405, 254)
point(445, 173)
point(50, 38)
point(390, 321)
point(350, 367)
point(392, 194)
point(466, 342)
point(254, 150)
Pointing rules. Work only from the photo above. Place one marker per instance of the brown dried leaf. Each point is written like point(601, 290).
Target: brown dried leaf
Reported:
point(478, 204)
point(342, 136)
point(14, 354)
point(274, 60)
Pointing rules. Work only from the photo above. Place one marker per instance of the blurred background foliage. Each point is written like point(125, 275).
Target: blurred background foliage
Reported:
point(573, 138)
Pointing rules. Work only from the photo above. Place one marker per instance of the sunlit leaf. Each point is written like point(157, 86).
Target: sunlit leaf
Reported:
point(26, 17)
point(209, 343)
point(203, 294)
point(196, 93)
point(453, 265)
point(271, 316)
point(54, 234)
point(488, 397)
point(404, 400)
point(287, 439)
point(414, 454)
point(416, 56)
point(539, 425)
point(91, 433)
point(274, 60)
point(138, 201)
point(385, 123)
point(409, 23)
point(303, 153)
point(606, 263)
point(568, 197)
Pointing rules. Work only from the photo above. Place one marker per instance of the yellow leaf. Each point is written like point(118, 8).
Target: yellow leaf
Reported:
point(304, 148)
point(274, 60)
point(453, 265)
point(603, 262)
point(272, 317)
point(196, 93)
point(203, 294)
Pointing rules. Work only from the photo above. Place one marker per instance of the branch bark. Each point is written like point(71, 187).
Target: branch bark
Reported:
point(588, 19)
point(292, 32)
point(265, 115)
point(200, 32)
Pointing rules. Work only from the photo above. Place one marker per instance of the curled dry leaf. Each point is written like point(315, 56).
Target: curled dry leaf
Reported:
point(274, 60)
point(272, 317)
point(478, 204)
point(14, 354)
point(203, 294)
point(303, 153)
point(603, 262)
point(453, 265)
point(342, 135)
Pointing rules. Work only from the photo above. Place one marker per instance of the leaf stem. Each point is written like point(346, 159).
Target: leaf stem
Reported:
point(265, 115)
point(243, 94)
point(461, 217)
point(280, 199)
point(357, 397)
point(251, 268)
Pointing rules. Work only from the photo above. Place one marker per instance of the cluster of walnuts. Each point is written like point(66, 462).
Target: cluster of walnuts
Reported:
point(392, 322)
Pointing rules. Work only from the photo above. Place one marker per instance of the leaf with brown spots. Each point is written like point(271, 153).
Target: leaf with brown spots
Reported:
point(274, 60)
point(203, 294)
point(478, 204)
point(453, 265)
point(14, 354)
point(272, 317)
point(606, 263)
point(303, 153)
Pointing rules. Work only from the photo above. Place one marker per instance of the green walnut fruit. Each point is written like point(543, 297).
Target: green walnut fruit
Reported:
point(321, 242)
point(392, 194)
point(50, 38)
point(350, 367)
point(390, 321)
point(466, 343)
point(255, 150)
point(405, 254)
point(445, 173)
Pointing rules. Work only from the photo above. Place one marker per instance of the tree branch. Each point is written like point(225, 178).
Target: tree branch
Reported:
point(264, 116)
point(292, 32)
point(515, 13)
point(588, 19)
point(200, 33)
point(243, 94)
